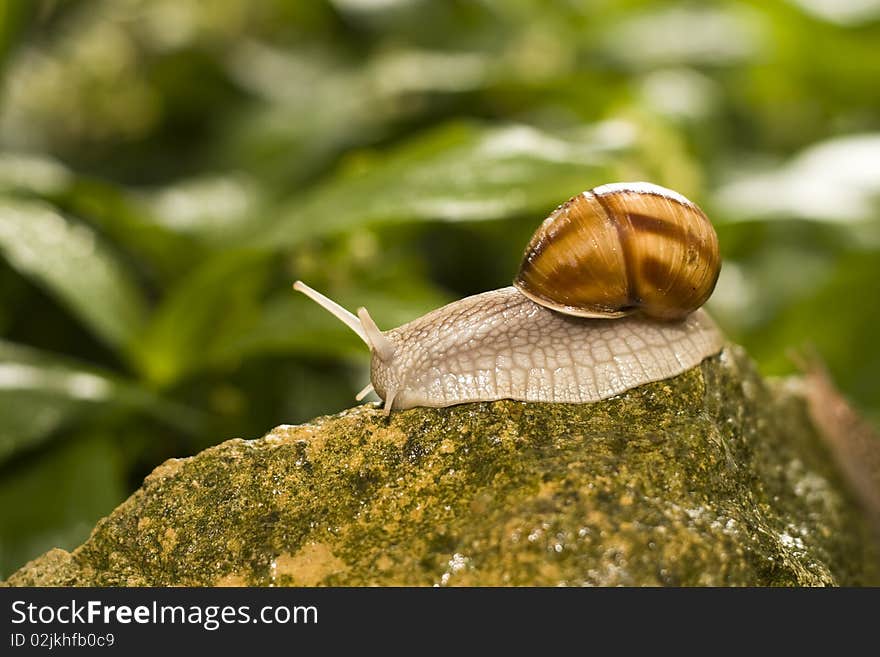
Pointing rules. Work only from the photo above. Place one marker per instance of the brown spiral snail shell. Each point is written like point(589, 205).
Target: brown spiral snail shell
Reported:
point(621, 248)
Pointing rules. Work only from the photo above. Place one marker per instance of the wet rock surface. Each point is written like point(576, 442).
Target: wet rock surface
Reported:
point(714, 477)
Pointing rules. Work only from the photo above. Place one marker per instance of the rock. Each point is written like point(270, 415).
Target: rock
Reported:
point(714, 477)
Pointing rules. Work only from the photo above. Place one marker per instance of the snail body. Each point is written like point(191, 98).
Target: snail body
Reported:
point(515, 343)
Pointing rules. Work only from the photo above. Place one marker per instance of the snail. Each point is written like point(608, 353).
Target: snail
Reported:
point(607, 298)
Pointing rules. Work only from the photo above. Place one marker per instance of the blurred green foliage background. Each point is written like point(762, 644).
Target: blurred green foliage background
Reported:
point(169, 167)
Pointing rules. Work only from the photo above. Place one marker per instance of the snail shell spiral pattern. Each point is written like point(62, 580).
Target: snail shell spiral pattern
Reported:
point(622, 248)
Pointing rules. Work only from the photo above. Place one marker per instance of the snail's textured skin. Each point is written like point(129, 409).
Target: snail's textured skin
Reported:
point(500, 345)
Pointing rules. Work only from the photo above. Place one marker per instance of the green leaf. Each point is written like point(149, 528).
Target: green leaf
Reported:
point(71, 262)
point(218, 299)
point(208, 206)
point(41, 393)
point(54, 499)
point(838, 319)
point(312, 108)
point(461, 172)
point(125, 217)
point(14, 15)
point(680, 35)
point(833, 181)
point(32, 173)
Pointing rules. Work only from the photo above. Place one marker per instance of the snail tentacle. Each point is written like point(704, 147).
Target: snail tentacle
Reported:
point(347, 318)
point(377, 342)
point(366, 390)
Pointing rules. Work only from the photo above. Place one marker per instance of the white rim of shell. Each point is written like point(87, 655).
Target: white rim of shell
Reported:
point(640, 188)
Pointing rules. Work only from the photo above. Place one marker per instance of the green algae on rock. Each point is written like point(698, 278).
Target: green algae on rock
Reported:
point(711, 478)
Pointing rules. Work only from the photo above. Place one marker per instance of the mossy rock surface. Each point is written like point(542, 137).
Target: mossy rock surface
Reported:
point(711, 478)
